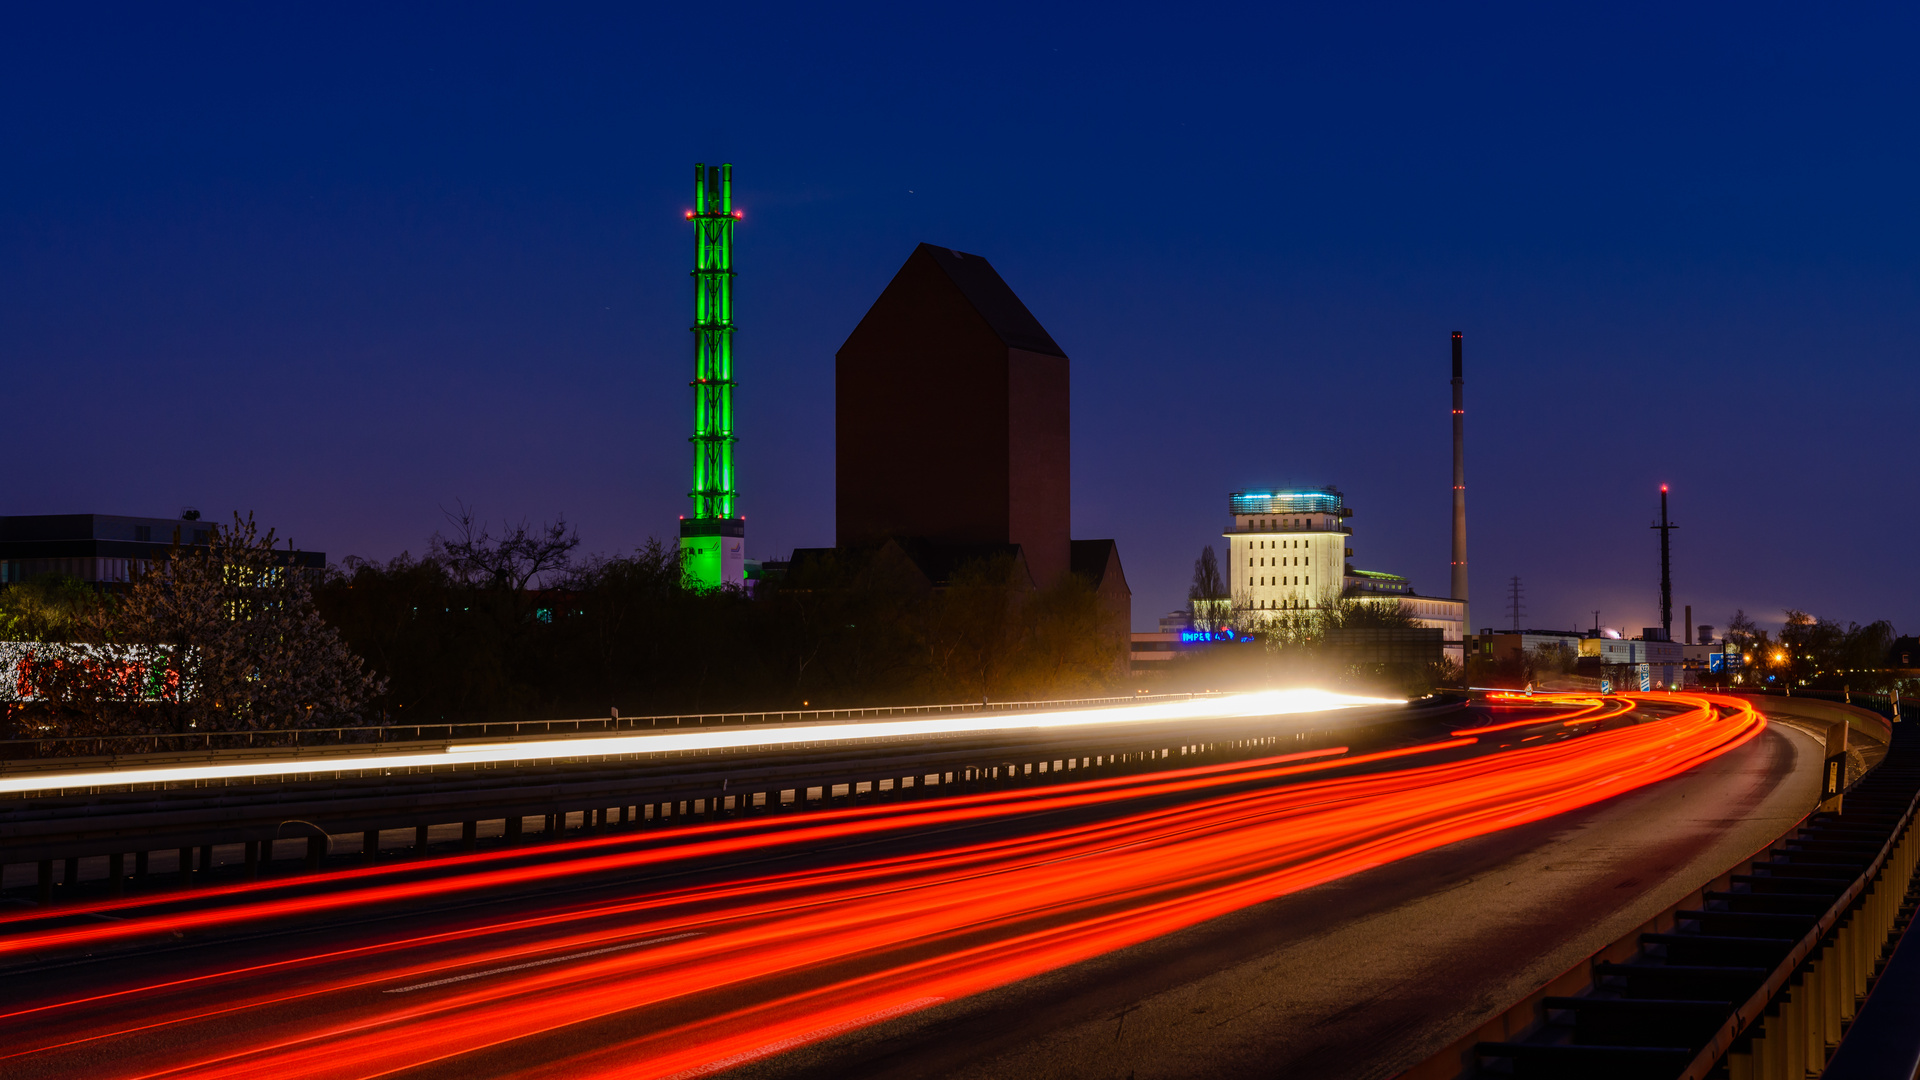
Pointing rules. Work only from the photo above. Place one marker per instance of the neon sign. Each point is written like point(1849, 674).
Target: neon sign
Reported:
point(1225, 633)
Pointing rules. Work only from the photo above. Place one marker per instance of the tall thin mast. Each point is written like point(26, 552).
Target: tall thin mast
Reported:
point(713, 541)
point(713, 218)
point(1666, 567)
point(1460, 490)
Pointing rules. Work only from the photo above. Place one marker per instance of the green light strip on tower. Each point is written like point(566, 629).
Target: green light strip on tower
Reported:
point(713, 217)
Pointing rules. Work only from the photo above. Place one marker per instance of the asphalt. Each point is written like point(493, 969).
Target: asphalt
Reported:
point(1363, 977)
point(1360, 977)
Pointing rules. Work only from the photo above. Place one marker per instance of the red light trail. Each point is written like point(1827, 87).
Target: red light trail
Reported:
point(682, 982)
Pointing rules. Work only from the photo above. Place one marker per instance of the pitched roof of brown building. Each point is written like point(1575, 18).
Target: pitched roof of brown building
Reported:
point(990, 295)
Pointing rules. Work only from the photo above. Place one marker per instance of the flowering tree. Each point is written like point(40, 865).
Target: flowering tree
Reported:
point(221, 638)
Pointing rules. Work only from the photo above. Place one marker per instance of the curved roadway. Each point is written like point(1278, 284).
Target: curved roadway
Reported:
point(540, 966)
point(1365, 976)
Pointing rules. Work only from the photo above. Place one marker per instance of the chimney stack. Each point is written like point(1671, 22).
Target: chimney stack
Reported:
point(1459, 490)
point(1666, 569)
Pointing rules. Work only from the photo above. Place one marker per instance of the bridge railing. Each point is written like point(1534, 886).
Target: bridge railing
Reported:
point(1884, 704)
point(1859, 861)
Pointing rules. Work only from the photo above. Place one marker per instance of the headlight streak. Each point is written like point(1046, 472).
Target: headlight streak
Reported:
point(890, 936)
point(1230, 706)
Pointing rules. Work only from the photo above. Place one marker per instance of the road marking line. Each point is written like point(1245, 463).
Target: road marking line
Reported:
point(793, 1041)
point(539, 963)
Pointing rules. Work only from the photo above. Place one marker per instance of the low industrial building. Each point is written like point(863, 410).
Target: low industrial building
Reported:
point(1430, 612)
point(1504, 645)
point(103, 550)
point(1399, 646)
point(1649, 662)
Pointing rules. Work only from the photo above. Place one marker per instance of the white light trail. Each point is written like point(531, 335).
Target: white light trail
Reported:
point(1229, 706)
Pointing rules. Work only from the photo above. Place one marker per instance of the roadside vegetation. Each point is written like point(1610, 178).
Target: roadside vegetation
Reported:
point(624, 633)
point(1816, 654)
point(220, 638)
point(513, 624)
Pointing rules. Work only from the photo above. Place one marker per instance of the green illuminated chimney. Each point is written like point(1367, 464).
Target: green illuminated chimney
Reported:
point(713, 540)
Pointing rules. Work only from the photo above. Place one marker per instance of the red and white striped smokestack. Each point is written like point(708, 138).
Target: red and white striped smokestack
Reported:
point(1460, 491)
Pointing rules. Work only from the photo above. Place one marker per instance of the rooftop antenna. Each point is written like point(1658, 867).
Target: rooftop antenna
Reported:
point(1666, 570)
point(1515, 592)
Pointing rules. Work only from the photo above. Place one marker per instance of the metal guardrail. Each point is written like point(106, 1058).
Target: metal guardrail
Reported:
point(1793, 1021)
point(119, 746)
point(1859, 699)
point(655, 788)
point(1883, 1040)
point(1755, 974)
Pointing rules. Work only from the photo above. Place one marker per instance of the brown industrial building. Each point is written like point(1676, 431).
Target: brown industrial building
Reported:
point(952, 428)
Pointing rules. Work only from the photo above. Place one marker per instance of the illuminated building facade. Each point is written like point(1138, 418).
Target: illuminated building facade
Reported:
point(713, 541)
point(1287, 551)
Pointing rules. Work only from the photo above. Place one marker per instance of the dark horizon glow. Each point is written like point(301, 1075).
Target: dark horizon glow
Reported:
point(345, 267)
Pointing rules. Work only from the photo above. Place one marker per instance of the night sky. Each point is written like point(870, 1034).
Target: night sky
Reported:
point(343, 266)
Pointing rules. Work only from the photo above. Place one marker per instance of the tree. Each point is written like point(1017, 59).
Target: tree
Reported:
point(47, 607)
point(1208, 594)
point(510, 563)
point(847, 624)
point(1074, 644)
point(1364, 615)
point(1806, 641)
point(1742, 630)
point(1863, 654)
point(446, 650)
point(839, 629)
point(971, 628)
point(220, 638)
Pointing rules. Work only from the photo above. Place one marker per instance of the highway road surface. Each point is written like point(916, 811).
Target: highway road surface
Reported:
point(1327, 913)
point(1365, 976)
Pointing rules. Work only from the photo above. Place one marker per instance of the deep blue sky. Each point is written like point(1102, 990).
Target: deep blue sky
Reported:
point(345, 265)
